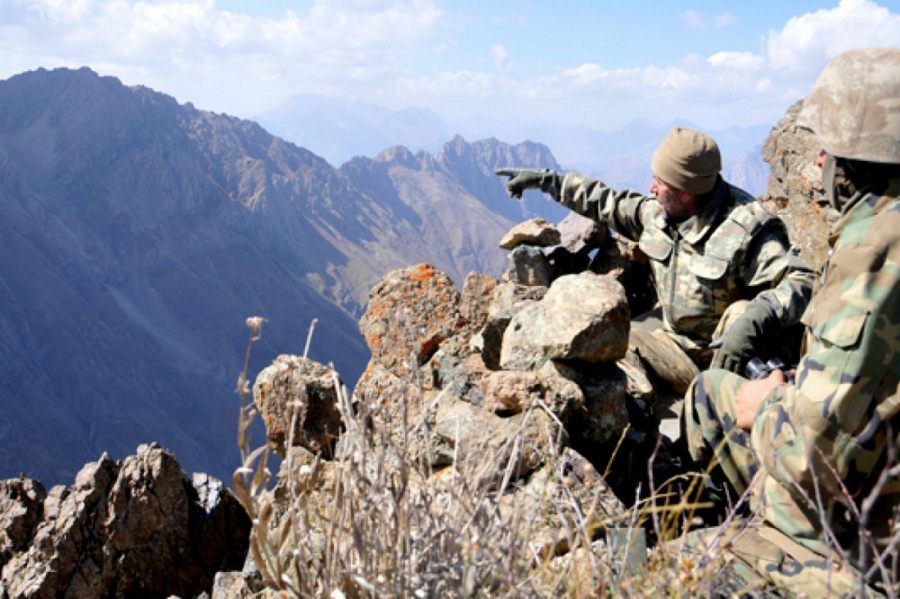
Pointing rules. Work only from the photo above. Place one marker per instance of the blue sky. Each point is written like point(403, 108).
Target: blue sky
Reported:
point(599, 64)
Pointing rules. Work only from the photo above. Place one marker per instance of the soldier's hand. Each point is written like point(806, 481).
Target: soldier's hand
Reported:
point(521, 179)
point(750, 395)
point(746, 337)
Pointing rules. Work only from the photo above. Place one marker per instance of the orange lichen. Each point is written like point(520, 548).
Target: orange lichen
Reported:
point(422, 273)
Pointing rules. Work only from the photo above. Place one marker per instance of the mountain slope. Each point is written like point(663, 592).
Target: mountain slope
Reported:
point(137, 233)
point(136, 236)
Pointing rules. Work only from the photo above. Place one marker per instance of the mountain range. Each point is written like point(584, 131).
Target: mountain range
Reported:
point(340, 130)
point(137, 233)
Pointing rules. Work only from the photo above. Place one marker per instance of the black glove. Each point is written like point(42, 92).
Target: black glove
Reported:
point(747, 337)
point(525, 178)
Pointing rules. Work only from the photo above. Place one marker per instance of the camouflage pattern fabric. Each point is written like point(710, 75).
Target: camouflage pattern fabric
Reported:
point(670, 357)
point(759, 560)
point(733, 249)
point(822, 446)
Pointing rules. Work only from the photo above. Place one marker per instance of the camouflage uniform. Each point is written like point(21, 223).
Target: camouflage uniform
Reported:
point(734, 249)
point(820, 461)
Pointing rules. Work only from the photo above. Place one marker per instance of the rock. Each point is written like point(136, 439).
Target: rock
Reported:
point(387, 402)
point(579, 233)
point(21, 509)
point(624, 260)
point(638, 386)
point(550, 494)
point(509, 392)
point(455, 370)
point(582, 317)
point(508, 299)
point(231, 585)
point(410, 312)
point(527, 265)
point(795, 189)
point(470, 437)
point(128, 529)
point(220, 526)
point(475, 301)
point(294, 383)
point(603, 414)
point(534, 232)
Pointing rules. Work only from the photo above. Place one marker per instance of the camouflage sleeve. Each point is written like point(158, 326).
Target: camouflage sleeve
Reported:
point(784, 280)
point(589, 197)
point(848, 383)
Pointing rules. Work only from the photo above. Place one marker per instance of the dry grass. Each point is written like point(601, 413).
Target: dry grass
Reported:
point(379, 522)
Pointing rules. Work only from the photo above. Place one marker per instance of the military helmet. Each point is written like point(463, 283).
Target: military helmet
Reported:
point(854, 107)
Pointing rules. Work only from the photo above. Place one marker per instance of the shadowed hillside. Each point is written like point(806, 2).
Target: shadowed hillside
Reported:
point(138, 233)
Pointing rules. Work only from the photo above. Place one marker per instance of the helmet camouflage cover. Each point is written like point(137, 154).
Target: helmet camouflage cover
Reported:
point(854, 107)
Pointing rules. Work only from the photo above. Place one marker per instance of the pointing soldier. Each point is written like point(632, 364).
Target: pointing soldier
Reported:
point(710, 246)
point(819, 457)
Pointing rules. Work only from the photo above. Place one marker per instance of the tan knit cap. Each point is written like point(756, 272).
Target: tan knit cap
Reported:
point(688, 160)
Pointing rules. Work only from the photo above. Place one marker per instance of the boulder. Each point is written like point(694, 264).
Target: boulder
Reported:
point(582, 317)
point(410, 311)
point(507, 300)
point(455, 370)
point(579, 233)
point(508, 392)
point(534, 232)
point(387, 403)
point(603, 415)
point(470, 437)
point(567, 485)
point(527, 265)
point(475, 301)
point(296, 389)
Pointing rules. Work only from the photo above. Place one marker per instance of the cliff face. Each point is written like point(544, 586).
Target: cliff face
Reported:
point(795, 186)
point(138, 233)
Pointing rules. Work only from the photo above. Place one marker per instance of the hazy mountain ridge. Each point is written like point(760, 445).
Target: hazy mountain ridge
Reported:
point(339, 129)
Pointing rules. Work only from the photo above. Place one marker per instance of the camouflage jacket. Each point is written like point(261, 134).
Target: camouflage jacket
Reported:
point(734, 249)
point(823, 441)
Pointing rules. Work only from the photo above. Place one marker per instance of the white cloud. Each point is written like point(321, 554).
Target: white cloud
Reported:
point(807, 42)
point(693, 19)
point(500, 56)
point(193, 47)
point(742, 61)
point(726, 19)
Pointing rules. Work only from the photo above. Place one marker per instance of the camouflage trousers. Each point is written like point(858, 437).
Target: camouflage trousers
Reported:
point(749, 557)
point(671, 358)
point(759, 555)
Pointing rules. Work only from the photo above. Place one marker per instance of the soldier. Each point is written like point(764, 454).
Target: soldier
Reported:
point(710, 245)
point(818, 457)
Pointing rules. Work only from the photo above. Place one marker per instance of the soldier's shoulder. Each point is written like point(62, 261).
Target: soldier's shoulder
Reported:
point(749, 213)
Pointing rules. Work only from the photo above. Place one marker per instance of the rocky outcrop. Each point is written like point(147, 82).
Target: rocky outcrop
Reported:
point(410, 312)
point(135, 527)
point(795, 186)
point(297, 399)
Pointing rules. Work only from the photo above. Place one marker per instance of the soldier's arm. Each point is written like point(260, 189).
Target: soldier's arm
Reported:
point(622, 210)
point(781, 276)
